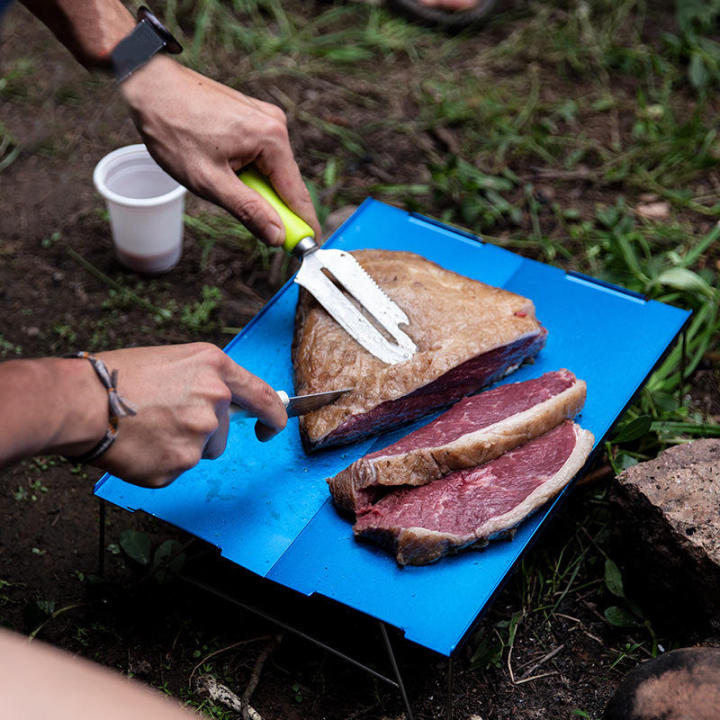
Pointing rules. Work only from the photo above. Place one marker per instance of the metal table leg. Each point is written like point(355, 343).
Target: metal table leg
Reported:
point(396, 670)
point(296, 631)
point(449, 698)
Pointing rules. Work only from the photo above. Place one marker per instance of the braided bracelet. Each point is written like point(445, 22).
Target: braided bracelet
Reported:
point(117, 405)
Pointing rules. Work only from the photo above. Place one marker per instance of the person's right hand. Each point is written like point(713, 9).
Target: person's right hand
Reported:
point(182, 394)
point(202, 132)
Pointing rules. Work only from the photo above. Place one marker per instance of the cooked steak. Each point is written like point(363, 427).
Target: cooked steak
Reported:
point(475, 430)
point(468, 335)
point(471, 507)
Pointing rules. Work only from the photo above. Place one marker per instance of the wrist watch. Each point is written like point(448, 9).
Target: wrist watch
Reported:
point(148, 38)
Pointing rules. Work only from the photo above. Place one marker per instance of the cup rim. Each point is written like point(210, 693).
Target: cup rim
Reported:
point(104, 190)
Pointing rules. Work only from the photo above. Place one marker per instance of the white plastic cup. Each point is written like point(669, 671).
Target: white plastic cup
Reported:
point(146, 209)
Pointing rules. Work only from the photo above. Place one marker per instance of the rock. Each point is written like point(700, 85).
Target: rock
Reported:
point(669, 526)
point(679, 685)
point(654, 210)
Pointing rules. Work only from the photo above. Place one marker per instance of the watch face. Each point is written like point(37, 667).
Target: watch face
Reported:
point(171, 44)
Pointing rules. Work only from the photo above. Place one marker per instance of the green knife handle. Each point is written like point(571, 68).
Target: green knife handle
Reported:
point(296, 229)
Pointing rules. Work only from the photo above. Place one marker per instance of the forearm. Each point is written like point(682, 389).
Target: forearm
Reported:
point(49, 405)
point(90, 29)
point(40, 681)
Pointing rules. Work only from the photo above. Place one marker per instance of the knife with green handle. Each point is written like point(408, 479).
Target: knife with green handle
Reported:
point(298, 405)
point(381, 311)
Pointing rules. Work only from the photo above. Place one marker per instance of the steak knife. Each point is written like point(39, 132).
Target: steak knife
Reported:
point(297, 405)
point(380, 310)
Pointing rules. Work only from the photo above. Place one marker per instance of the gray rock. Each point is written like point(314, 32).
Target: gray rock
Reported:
point(679, 685)
point(669, 525)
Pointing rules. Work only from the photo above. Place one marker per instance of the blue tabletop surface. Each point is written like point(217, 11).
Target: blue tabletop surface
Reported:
point(266, 505)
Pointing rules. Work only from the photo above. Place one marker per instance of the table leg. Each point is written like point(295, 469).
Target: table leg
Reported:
point(450, 682)
point(396, 670)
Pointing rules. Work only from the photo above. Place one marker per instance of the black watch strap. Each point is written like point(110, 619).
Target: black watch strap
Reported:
point(147, 39)
point(135, 50)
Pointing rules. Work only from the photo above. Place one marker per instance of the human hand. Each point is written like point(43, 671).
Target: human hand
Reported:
point(182, 394)
point(201, 132)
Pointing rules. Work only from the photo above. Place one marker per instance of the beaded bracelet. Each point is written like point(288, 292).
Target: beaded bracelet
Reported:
point(117, 405)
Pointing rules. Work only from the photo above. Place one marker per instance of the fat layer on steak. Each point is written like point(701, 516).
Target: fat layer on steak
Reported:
point(468, 335)
point(471, 507)
point(475, 430)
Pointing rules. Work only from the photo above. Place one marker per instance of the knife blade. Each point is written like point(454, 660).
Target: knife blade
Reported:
point(296, 405)
point(374, 310)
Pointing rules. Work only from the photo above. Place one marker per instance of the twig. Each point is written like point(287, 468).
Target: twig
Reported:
point(569, 617)
point(272, 643)
point(509, 666)
point(247, 290)
point(512, 631)
point(222, 650)
point(587, 633)
point(100, 275)
point(536, 677)
point(593, 610)
point(56, 614)
point(552, 174)
point(542, 660)
point(582, 627)
point(218, 693)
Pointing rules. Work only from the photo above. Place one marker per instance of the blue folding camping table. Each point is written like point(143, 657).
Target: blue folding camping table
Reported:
point(266, 505)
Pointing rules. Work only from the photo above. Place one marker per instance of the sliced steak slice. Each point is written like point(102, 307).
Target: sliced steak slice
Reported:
point(471, 507)
point(473, 431)
point(468, 335)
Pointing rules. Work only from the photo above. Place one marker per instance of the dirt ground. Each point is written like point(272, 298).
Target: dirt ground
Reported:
point(166, 633)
